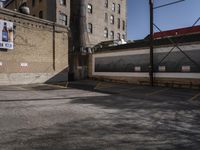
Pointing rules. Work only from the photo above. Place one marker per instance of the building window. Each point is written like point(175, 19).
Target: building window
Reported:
point(118, 23)
point(106, 32)
point(90, 28)
point(112, 19)
point(90, 8)
point(118, 36)
point(112, 35)
point(106, 17)
point(33, 2)
point(106, 3)
point(41, 14)
point(62, 2)
point(123, 25)
point(119, 9)
point(63, 19)
point(123, 37)
point(113, 7)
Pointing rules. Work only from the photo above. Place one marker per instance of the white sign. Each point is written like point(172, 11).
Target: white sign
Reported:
point(138, 68)
point(6, 34)
point(24, 64)
point(186, 68)
point(162, 68)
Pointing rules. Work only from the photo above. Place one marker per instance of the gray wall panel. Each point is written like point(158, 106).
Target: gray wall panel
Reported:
point(173, 62)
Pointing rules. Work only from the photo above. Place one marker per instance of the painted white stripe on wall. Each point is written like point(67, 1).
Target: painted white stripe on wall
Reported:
point(124, 53)
point(146, 75)
point(121, 74)
point(146, 51)
point(178, 75)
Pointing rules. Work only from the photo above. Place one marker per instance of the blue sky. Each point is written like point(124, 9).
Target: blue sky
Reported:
point(179, 15)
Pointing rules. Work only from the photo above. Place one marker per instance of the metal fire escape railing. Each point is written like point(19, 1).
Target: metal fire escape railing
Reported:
point(175, 44)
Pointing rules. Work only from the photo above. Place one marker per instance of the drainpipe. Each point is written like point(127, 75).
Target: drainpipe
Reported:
point(54, 48)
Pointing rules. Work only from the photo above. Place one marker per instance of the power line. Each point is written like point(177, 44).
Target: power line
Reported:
point(169, 4)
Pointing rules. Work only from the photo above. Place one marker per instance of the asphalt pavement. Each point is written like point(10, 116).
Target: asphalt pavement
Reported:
point(93, 115)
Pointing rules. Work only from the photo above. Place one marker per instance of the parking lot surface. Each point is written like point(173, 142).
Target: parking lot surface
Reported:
point(101, 116)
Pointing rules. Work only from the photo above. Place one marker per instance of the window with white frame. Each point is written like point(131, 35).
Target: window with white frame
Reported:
point(90, 28)
point(106, 32)
point(119, 9)
point(106, 3)
point(113, 7)
point(112, 20)
point(63, 19)
point(90, 8)
point(62, 2)
point(112, 35)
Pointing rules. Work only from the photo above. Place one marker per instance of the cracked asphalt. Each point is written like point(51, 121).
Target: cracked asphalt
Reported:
point(112, 117)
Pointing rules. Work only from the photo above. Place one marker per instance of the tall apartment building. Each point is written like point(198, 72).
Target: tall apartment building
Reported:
point(93, 21)
point(53, 10)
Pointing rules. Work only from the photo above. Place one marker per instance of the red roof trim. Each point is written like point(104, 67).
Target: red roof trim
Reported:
point(182, 31)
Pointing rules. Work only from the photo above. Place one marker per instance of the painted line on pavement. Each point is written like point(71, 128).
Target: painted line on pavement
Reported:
point(102, 85)
point(156, 92)
point(59, 86)
point(194, 97)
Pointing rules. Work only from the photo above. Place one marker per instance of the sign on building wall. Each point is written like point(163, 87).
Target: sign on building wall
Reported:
point(6, 35)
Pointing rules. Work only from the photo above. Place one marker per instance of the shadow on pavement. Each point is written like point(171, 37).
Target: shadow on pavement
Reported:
point(163, 121)
point(135, 131)
point(130, 104)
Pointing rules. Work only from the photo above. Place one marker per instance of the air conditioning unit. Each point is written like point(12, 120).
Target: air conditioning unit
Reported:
point(24, 10)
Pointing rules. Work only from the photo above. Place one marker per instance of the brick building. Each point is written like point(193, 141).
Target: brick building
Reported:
point(93, 21)
point(40, 52)
point(53, 10)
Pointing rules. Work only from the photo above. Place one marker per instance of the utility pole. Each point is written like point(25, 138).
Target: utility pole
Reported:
point(151, 67)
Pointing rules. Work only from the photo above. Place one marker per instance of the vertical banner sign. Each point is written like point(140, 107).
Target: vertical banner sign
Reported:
point(6, 35)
